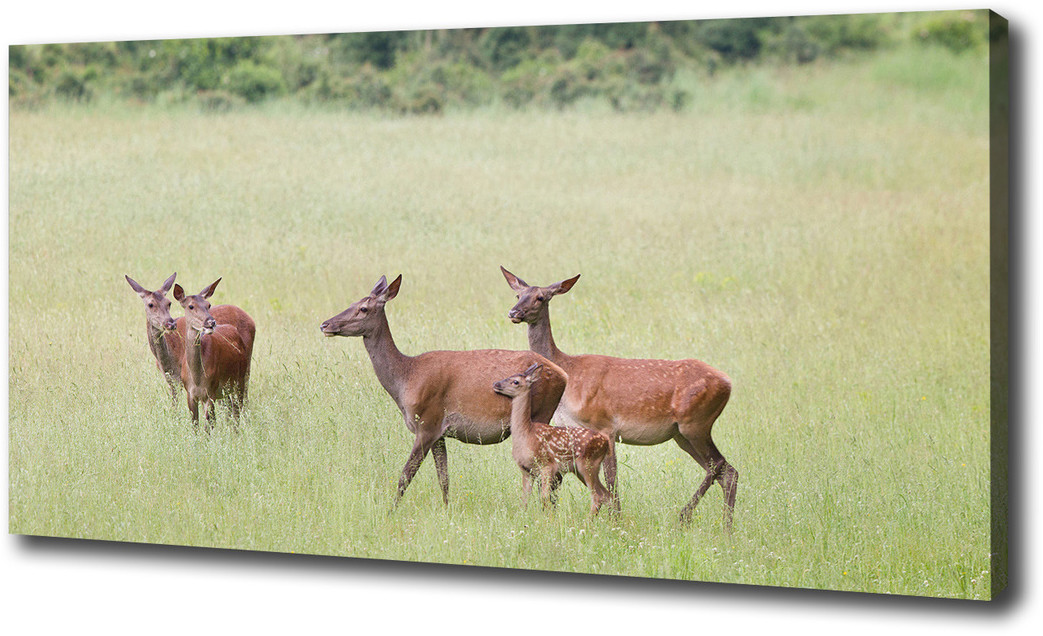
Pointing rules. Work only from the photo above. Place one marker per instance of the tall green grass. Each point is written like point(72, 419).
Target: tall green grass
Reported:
point(821, 236)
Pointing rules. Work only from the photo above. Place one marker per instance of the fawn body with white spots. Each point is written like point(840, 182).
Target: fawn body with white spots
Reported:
point(216, 363)
point(550, 451)
point(642, 402)
point(442, 393)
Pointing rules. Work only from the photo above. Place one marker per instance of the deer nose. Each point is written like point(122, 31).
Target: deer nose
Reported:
point(324, 325)
point(170, 324)
point(210, 323)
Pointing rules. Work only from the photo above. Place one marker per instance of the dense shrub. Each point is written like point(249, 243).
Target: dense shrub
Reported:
point(254, 82)
point(958, 33)
point(74, 84)
point(631, 66)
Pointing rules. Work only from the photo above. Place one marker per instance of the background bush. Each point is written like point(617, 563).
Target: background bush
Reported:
point(628, 66)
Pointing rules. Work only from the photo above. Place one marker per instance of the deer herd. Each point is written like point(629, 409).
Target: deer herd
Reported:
point(477, 397)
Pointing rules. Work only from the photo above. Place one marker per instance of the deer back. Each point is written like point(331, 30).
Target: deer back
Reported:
point(460, 382)
point(604, 388)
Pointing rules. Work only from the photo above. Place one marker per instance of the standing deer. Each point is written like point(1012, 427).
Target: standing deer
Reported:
point(217, 354)
point(642, 402)
point(442, 393)
point(550, 451)
point(166, 336)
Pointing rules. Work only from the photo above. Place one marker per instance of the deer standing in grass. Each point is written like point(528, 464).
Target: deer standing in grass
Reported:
point(216, 362)
point(442, 393)
point(550, 451)
point(642, 402)
point(166, 336)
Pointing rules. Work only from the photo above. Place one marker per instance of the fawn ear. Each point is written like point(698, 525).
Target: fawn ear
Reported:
point(136, 287)
point(564, 286)
point(170, 281)
point(179, 293)
point(531, 372)
point(392, 290)
point(209, 291)
point(516, 283)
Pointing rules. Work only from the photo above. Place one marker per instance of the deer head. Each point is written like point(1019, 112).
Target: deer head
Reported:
point(157, 305)
point(365, 315)
point(518, 383)
point(197, 308)
point(532, 301)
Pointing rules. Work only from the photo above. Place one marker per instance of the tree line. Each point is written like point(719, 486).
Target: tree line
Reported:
point(631, 66)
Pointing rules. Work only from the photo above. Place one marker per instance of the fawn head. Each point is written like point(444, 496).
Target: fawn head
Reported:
point(518, 383)
point(197, 308)
point(532, 301)
point(364, 315)
point(157, 305)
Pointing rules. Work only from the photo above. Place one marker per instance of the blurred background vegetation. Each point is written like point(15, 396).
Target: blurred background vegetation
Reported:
point(629, 66)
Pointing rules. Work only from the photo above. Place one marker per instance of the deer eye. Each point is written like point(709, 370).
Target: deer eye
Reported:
point(191, 306)
point(539, 299)
point(150, 305)
point(363, 309)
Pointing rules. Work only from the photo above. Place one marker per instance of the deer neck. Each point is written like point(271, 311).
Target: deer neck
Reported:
point(157, 342)
point(194, 355)
point(541, 340)
point(390, 364)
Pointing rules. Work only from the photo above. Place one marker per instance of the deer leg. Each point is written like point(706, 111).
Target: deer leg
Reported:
point(173, 390)
point(610, 472)
point(717, 469)
point(441, 467)
point(211, 415)
point(598, 493)
point(421, 445)
point(193, 408)
point(526, 486)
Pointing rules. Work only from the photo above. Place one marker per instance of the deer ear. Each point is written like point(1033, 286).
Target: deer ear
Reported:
point(564, 286)
point(516, 283)
point(392, 289)
point(209, 291)
point(531, 372)
point(136, 287)
point(178, 293)
point(380, 286)
point(170, 281)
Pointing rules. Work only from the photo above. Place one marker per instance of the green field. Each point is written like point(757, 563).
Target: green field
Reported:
point(819, 234)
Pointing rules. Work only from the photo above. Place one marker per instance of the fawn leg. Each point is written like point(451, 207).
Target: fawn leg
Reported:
point(526, 486)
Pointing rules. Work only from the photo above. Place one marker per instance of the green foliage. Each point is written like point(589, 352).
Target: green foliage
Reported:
point(254, 82)
point(957, 32)
point(630, 66)
point(734, 39)
point(506, 47)
point(74, 84)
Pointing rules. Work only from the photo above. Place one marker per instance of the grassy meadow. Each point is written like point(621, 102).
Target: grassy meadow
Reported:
point(820, 234)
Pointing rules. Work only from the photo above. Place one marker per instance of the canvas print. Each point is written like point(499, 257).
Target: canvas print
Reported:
point(706, 300)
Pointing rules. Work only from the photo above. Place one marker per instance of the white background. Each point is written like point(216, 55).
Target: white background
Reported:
point(77, 586)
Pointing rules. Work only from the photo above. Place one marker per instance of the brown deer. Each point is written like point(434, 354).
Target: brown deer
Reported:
point(166, 336)
point(550, 451)
point(642, 402)
point(442, 393)
point(216, 362)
